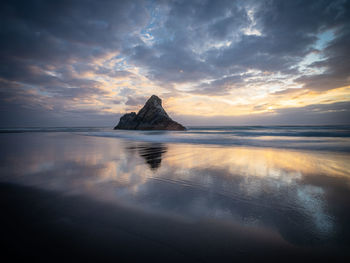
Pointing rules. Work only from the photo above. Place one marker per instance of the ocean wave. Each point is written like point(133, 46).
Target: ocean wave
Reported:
point(52, 129)
point(331, 138)
point(335, 143)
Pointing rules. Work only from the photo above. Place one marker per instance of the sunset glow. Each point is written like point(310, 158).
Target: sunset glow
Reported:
point(225, 62)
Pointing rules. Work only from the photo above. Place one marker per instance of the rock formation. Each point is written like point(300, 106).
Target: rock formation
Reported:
point(151, 117)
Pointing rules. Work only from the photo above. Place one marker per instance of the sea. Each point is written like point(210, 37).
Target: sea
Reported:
point(207, 194)
point(326, 138)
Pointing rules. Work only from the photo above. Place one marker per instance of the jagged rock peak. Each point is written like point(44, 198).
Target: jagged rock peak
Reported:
point(155, 100)
point(152, 116)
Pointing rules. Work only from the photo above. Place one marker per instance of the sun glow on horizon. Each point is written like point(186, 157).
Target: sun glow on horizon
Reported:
point(203, 59)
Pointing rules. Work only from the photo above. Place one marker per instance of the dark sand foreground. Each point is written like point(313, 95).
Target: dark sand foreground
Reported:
point(47, 226)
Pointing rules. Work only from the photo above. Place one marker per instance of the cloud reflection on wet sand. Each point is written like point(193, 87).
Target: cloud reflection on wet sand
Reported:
point(299, 196)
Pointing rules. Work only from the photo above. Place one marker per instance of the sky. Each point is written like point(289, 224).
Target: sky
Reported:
point(87, 62)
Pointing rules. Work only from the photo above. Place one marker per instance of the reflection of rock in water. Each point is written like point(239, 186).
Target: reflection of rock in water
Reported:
point(152, 153)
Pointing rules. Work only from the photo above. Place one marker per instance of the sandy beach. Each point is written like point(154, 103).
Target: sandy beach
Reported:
point(69, 196)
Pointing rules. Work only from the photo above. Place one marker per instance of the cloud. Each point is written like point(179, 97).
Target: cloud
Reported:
point(336, 64)
point(220, 86)
point(109, 55)
point(288, 32)
point(316, 114)
point(135, 101)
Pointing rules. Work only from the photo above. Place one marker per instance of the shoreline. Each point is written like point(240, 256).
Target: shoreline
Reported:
point(85, 198)
point(48, 226)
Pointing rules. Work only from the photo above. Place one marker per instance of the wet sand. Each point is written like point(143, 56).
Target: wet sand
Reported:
point(67, 197)
point(48, 226)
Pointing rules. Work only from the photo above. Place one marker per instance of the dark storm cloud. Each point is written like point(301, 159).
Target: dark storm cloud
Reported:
point(46, 47)
point(20, 107)
point(288, 32)
point(82, 68)
point(74, 92)
point(44, 33)
point(135, 101)
point(222, 28)
point(42, 42)
point(113, 73)
point(176, 57)
point(220, 86)
point(63, 84)
point(336, 63)
point(52, 29)
point(170, 62)
point(205, 19)
point(258, 52)
point(333, 113)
